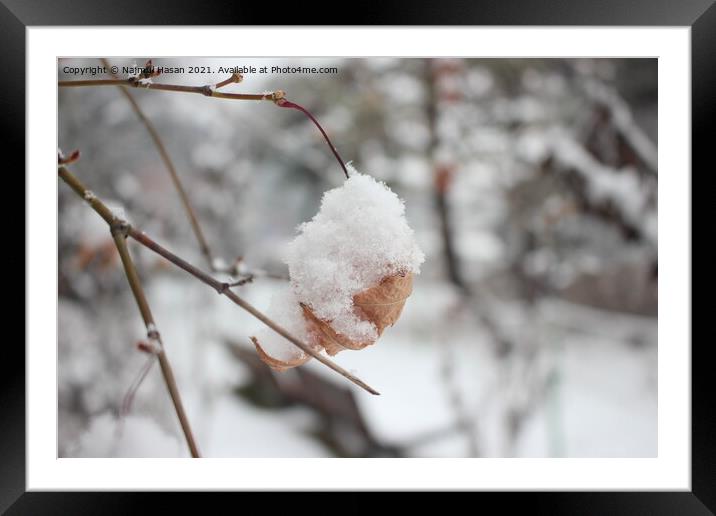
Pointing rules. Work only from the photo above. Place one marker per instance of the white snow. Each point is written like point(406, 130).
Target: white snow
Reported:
point(359, 236)
point(133, 436)
point(624, 120)
point(591, 344)
point(620, 186)
point(238, 429)
point(219, 264)
point(284, 309)
point(117, 209)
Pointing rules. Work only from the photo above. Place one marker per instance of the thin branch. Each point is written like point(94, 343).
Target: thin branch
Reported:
point(134, 387)
point(285, 103)
point(235, 78)
point(119, 230)
point(221, 288)
point(144, 81)
point(248, 278)
point(224, 288)
point(161, 148)
point(67, 160)
point(145, 84)
point(159, 144)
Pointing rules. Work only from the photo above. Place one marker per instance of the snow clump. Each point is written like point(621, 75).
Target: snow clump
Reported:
point(359, 237)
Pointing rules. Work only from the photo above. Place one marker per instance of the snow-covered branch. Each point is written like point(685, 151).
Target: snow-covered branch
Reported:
point(221, 287)
point(624, 122)
point(620, 188)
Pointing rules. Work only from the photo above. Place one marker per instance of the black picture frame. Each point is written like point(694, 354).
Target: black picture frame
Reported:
point(700, 15)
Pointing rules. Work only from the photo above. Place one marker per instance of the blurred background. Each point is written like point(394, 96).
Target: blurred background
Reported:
point(532, 330)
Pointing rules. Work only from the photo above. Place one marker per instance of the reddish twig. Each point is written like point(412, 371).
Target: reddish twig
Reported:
point(67, 160)
point(143, 81)
point(134, 387)
point(287, 104)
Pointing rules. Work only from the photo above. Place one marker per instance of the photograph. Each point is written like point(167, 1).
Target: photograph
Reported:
point(359, 257)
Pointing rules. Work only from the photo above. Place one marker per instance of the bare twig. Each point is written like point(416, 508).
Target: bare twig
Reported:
point(66, 160)
point(220, 287)
point(207, 90)
point(292, 105)
point(248, 278)
point(119, 230)
point(161, 148)
point(134, 387)
point(143, 81)
point(235, 78)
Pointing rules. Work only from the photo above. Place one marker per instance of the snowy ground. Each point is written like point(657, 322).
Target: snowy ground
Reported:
point(601, 401)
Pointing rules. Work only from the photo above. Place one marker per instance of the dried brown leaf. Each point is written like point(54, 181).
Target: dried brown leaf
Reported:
point(276, 364)
point(380, 304)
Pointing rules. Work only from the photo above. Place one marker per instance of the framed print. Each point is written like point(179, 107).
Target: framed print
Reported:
point(360, 257)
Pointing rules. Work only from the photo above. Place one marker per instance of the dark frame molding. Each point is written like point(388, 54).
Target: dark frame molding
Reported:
point(700, 15)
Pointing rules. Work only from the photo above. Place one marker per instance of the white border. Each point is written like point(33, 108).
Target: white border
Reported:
point(671, 470)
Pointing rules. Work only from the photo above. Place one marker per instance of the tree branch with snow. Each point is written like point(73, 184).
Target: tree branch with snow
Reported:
point(237, 267)
point(222, 288)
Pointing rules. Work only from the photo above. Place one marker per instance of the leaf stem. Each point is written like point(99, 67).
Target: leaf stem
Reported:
point(292, 105)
